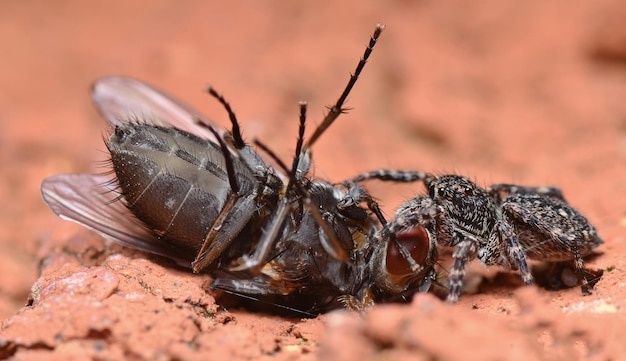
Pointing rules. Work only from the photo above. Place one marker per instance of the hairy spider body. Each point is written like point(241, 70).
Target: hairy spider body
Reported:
point(501, 225)
point(549, 229)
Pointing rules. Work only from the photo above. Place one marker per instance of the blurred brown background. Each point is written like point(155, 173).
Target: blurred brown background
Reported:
point(503, 91)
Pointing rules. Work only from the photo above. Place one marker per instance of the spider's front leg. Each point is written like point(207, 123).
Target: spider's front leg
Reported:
point(465, 251)
point(446, 233)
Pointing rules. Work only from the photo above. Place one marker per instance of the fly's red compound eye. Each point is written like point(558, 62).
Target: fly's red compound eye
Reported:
point(416, 242)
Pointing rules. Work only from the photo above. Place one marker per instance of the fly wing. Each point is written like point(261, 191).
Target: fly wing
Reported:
point(91, 200)
point(123, 99)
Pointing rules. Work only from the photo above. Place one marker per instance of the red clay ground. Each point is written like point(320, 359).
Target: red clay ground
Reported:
point(503, 91)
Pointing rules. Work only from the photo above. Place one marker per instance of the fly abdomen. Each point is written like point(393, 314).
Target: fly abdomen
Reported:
point(172, 181)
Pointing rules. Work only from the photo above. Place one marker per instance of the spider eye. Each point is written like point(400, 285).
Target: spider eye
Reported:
point(417, 242)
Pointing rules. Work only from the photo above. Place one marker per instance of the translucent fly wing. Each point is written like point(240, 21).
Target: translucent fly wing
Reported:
point(122, 99)
point(90, 200)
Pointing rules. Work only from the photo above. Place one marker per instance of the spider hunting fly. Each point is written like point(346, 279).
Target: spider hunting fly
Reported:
point(503, 225)
point(205, 198)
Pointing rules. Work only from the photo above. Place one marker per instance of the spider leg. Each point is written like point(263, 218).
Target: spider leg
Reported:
point(552, 231)
point(514, 251)
point(466, 251)
point(509, 189)
point(580, 270)
point(391, 176)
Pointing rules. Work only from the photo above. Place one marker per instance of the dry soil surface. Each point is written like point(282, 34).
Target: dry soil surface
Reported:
point(503, 91)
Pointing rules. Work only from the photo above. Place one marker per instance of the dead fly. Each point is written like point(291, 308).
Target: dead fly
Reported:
point(501, 225)
point(208, 200)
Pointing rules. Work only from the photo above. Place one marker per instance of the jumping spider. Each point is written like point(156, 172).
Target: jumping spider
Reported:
point(501, 225)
